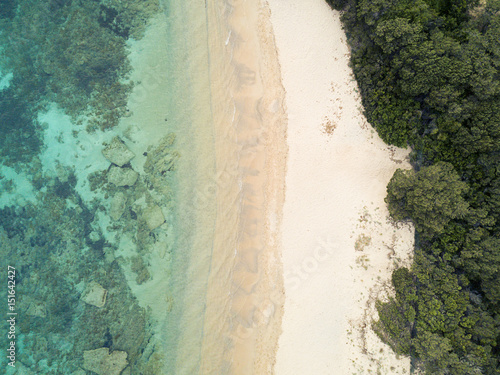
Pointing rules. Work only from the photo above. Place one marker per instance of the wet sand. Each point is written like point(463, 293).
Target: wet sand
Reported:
point(225, 292)
point(244, 305)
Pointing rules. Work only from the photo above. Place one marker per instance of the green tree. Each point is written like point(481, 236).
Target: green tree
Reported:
point(438, 356)
point(430, 197)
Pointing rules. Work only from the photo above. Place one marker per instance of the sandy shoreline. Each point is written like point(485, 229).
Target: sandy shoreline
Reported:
point(338, 247)
point(244, 305)
point(328, 247)
point(239, 322)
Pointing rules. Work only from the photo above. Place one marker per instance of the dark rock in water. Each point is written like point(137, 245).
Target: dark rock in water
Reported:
point(108, 339)
point(110, 19)
point(12, 223)
point(62, 190)
point(98, 247)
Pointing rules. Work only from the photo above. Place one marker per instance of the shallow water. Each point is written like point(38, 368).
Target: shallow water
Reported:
point(191, 111)
point(134, 202)
point(57, 200)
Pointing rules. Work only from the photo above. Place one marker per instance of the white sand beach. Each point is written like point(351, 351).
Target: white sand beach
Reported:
point(339, 248)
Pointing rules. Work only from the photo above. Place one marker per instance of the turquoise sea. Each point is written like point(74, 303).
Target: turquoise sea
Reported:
point(107, 205)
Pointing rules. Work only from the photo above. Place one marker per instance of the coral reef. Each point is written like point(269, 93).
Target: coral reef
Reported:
point(74, 53)
point(77, 312)
point(20, 141)
point(62, 260)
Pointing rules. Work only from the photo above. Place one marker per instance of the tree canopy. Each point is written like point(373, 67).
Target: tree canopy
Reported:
point(429, 76)
point(430, 197)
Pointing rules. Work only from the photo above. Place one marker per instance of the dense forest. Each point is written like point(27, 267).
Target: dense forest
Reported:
point(429, 75)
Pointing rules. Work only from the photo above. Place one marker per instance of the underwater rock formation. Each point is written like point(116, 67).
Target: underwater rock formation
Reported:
point(118, 205)
point(37, 309)
point(117, 152)
point(94, 294)
point(122, 176)
point(153, 216)
point(103, 363)
point(160, 163)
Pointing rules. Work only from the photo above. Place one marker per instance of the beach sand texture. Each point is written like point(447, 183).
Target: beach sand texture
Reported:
point(338, 246)
point(244, 305)
point(228, 283)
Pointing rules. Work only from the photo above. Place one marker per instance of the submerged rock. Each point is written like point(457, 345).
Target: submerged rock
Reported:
point(160, 164)
point(153, 216)
point(118, 205)
point(139, 267)
point(37, 309)
point(122, 176)
point(94, 294)
point(117, 152)
point(103, 363)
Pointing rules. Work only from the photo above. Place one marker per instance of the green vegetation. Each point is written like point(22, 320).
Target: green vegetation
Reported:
point(430, 197)
point(429, 75)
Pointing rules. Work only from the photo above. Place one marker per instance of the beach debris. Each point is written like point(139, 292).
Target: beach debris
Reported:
point(153, 216)
point(122, 176)
point(362, 241)
point(102, 362)
point(117, 152)
point(94, 294)
point(118, 205)
point(328, 126)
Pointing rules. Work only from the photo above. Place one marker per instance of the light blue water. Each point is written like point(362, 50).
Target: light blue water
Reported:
point(67, 226)
point(191, 110)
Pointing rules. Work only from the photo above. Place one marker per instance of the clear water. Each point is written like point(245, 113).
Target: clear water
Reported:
point(59, 226)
